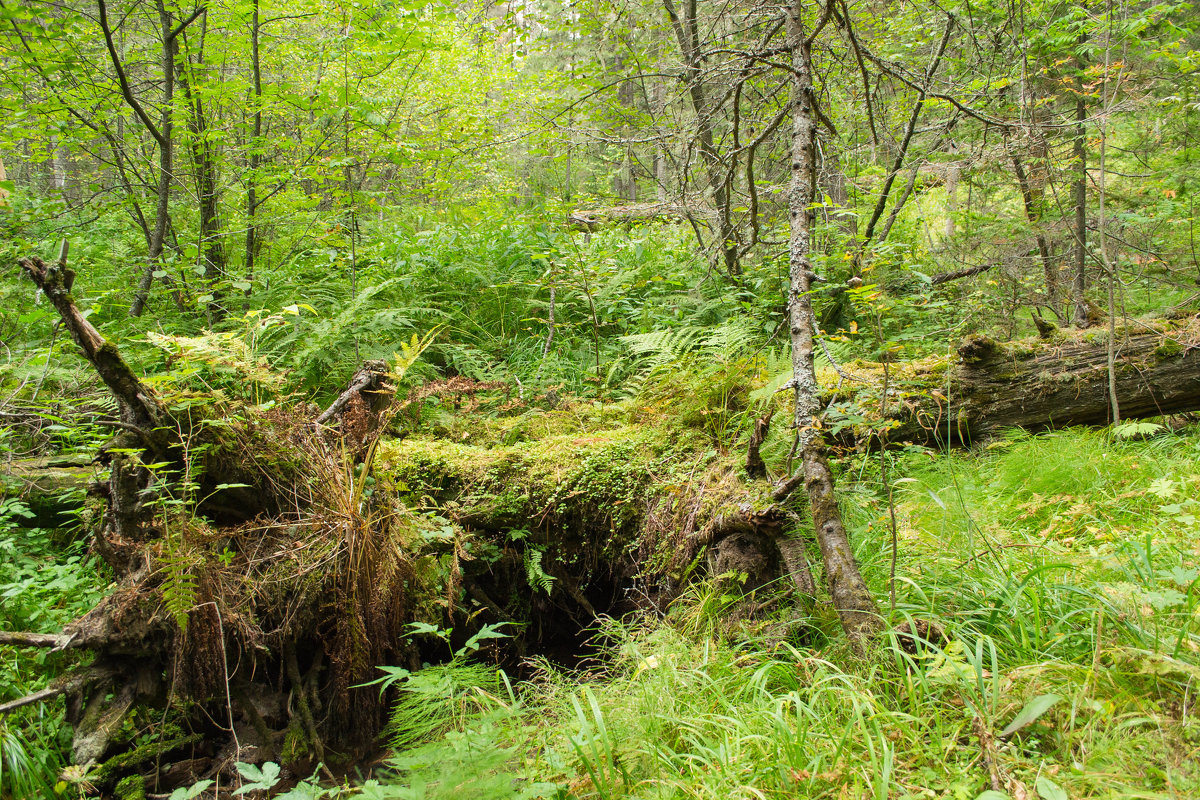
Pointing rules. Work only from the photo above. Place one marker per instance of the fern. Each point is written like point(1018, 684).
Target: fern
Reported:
point(662, 346)
point(534, 573)
point(179, 584)
point(727, 340)
point(731, 338)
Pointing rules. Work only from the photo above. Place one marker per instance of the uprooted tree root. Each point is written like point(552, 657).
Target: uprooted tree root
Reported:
point(267, 563)
point(255, 635)
point(252, 641)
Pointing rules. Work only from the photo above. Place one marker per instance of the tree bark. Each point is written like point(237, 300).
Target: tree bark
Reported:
point(1081, 318)
point(851, 598)
point(1052, 385)
point(687, 34)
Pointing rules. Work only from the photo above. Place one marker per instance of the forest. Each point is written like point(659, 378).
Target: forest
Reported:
point(624, 399)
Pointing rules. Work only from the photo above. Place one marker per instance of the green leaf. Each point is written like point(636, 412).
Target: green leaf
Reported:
point(1030, 713)
point(1049, 790)
point(305, 790)
point(1162, 487)
point(490, 631)
point(992, 794)
point(1127, 430)
point(1167, 598)
point(426, 628)
point(260, 779)
point(1182, 576)
point(190, 792)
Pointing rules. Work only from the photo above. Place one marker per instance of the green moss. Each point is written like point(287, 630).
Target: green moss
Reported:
point(295, 743)
point(132, 787)
point(979, 349)
point(172, 738)
point(1056, 379)
point(1023, 351)
point(1168, 349)
point(938, 367)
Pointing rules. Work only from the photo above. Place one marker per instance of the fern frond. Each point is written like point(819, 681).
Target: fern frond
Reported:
point(662, 346)
point(179, 585)
point(534, 573)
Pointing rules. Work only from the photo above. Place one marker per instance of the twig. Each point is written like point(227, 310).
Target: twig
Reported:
point(293, 672)
point(58, 641)
point(368, 375)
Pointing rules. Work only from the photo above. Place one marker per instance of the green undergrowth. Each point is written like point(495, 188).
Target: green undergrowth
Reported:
point(42, 587)
point(1061, 569)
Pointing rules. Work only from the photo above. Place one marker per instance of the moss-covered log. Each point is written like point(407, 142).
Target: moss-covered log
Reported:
point(592, 219)
point(52, 487)
point(1040, 385)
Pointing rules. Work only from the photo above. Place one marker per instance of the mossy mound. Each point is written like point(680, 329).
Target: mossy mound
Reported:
point(578, 515)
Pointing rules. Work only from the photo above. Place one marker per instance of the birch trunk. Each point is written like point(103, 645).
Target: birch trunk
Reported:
point(855, 607)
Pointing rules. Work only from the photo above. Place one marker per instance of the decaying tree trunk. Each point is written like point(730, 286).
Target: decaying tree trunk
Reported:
point(851, 597)
point(140, 425)
point(1040, 386)
point(592, 219)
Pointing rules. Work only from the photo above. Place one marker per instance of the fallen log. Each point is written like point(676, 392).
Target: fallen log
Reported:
point(1039, 385)
point(958, 274)
point(592, 219)
point(52, 487)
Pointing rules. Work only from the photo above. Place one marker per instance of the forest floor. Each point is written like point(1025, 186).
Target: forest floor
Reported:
point(1053, 576)
point(1062, 570)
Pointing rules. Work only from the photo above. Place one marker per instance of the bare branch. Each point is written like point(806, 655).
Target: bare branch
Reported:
point(126, 92)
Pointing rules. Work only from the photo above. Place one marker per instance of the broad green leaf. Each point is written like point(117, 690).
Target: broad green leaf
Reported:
point(1049, 790)
point(190, 792)
point(1030, 713)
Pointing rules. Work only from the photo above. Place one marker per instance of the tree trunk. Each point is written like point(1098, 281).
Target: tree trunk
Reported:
point(1081, 318)
point(851, 598)
point(1039, 387)
point(687, 34)
point(255, 158)
point(952, 176)
point(162, 135)
point(1032, 200)
point(212, 241)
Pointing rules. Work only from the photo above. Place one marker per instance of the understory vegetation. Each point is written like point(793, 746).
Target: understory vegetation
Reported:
point(622, 399)
point(1044, 635)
